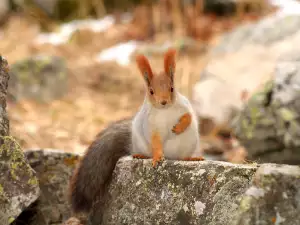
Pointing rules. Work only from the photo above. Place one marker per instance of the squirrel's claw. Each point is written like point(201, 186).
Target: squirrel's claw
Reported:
point(157, 160)
point(177, 129)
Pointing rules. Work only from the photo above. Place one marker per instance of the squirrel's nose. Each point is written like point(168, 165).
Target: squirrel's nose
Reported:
point(163, 102)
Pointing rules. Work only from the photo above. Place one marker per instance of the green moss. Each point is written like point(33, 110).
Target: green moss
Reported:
point(1, 192)
point(245, 204)
point(33, 181)
point(286, 114)
point(10, 220)
point(267, 180)
point(247, 129)
point(17, 162)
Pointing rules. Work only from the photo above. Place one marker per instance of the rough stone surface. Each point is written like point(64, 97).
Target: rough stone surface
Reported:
point(53, 169)
point(18, 182)
point(236, 65)
point(176, 193)
point(4, 78)
point(269, 124)
point(273, 198)
point(207, 193)
point(266, 32)
point(40, 77)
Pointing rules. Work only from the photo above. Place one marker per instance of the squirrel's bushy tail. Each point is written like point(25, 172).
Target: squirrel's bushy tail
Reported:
point(94, 171)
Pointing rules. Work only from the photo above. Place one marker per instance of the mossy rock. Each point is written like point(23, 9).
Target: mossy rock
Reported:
point(53, 168)
point(19, 186)
point(269, 124)
point(42, 78)
point(206, 192)
point(4, 78)
point(273, 198)
point(177, 192)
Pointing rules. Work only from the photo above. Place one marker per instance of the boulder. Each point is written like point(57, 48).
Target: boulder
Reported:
point(269, 124)
point(244, 59)
point(207, 192)
point(18, 182)
point(53, 169)
point(19, 186)
point(272, 198)
point(4, 78)
point(178, 192)
point(41, 77)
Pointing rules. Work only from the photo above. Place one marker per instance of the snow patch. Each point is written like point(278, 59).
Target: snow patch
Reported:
point(121, 53)
point(67, 29)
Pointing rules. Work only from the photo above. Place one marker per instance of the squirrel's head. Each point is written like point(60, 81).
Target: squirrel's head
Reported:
point(160, 86)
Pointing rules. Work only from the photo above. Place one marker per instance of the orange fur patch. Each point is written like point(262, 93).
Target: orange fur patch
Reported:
point(169, 61)
point(157, 148)
point(184, 121)
point(144, 66)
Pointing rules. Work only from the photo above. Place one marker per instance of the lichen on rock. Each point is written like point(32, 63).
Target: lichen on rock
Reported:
point(273, 198)
point(269, 124)
point(178, 192)
point(18, 182)
point(53, 169)
point(41, 77)
point(4, 78)
point(206, 192)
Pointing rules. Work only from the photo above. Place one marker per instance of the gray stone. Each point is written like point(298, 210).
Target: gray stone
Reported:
point(53, 168)
point(41, 77)
point(269, 124)
point(236, 65)
point(4, 78)
point(18, 182)
point(273, 198)
point(206, 192)
point(266, 32)
point(176, 193)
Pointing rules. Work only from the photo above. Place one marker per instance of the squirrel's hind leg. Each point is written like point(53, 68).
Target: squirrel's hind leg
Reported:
point(183, 123)
point(140, 156)
point(157, 148)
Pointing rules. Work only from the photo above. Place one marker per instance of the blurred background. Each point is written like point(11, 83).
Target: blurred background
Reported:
point(73, 71)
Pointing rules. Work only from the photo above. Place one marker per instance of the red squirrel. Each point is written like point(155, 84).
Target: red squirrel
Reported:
point(166, 121)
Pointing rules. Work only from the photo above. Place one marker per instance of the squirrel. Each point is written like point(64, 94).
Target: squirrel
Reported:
point(164, 127)
point(166, 119)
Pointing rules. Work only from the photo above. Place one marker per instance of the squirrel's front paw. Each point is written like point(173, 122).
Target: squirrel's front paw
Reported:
point(156, 160)
point(182, 124)
point(177, 129)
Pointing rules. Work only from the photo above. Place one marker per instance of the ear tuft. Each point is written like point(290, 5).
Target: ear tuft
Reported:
point(169, 62)
point(144, 67)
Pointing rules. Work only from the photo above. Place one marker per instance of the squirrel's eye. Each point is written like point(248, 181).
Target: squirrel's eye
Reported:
point(151, 92)
point(171, 89)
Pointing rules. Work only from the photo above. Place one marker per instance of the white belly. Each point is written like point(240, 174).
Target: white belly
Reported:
point(175, 146)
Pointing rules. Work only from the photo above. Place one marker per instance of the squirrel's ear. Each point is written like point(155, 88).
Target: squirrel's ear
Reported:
point(169, 62)
point(144, 67)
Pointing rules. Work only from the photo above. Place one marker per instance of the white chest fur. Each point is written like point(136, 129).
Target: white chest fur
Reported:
point(150, 119)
